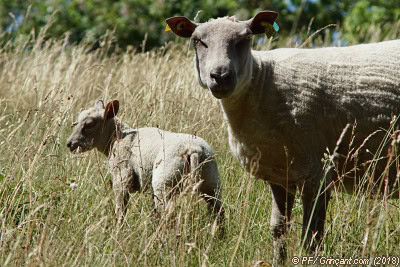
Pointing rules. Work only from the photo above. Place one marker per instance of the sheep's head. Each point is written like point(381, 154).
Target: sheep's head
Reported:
point(93, 127)
point(223, 49)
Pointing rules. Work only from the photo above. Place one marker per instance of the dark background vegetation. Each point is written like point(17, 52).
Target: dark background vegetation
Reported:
point(133, 21)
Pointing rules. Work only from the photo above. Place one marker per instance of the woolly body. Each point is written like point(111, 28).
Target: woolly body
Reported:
point(285, 107)
point(302, 99)
point(144, 158)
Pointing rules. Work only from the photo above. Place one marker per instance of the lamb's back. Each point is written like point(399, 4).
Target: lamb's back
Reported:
point(174, 144)
point(147, 144)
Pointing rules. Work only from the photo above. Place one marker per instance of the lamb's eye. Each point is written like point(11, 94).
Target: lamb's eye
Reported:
point(198, 42)
point(249, 37)
point(89, 127)
point(90, 124)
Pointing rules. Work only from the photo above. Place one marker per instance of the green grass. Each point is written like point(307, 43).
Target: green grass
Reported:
point(45, 222)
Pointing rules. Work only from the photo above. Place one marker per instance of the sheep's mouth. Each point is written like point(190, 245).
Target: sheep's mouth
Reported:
point(221, 91)
point(79, 148)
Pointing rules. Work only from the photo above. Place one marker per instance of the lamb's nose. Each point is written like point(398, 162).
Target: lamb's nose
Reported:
point(69, 144)
point(219, 76)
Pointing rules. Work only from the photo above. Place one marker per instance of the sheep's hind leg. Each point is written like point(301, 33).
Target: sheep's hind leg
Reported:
point(282, 204)
point(164, 181)
point(210, 190)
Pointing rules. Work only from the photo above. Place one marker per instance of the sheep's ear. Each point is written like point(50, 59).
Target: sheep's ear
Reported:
point(181, 26)
point(111, 110)
point(258, 24)
point(99, 104)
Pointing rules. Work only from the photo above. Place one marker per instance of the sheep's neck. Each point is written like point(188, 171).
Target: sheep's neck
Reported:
point(112, 131)
point(254, 99)
point(254, 123)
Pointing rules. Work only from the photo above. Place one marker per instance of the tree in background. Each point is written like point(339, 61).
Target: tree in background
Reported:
point(133, 21)
point(372, 20)
point(359, 20)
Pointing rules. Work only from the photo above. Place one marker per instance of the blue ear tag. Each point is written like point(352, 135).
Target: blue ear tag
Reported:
point(276, 27)
point(270, 29)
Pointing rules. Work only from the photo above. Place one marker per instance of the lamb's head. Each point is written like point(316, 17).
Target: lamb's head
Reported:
point(223, 59)
point(94, 128)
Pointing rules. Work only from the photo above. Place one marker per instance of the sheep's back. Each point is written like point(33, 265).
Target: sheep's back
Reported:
point(341, 85)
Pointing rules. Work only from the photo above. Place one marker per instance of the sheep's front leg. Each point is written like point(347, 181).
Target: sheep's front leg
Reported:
point(282, 204)
point(121, 188)
point(315, 203)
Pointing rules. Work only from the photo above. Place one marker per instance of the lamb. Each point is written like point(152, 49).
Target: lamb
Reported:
point(138, 158)
point(287, 106)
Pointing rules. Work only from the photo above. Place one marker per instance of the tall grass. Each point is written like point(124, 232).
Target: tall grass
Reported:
point(44, 221)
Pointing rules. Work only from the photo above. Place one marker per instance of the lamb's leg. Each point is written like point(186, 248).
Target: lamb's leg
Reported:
point(163, 181)
point(212, 195)
point(214, 204)
point(314, 206)
point(210, 189)
point(121, 194)
point(282, 204)
point(159, 196)
point(213, 199)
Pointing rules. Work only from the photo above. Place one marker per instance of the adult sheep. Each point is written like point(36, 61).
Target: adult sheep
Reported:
point(290, 105)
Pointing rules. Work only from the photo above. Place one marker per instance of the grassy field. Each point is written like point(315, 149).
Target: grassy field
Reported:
point(44, 222)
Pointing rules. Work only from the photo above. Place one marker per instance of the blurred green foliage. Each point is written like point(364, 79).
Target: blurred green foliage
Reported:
point(133, 21)
point(384, 14)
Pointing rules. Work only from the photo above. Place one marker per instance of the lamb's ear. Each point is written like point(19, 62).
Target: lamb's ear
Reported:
point(99, 104)
point(258, 23)
point(111, 110)
point(181, 26)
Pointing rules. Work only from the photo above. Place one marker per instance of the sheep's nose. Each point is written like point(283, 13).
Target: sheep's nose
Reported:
point(219, 76)
point(71, 145)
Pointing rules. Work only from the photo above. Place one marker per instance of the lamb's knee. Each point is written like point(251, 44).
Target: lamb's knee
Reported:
point(121, 196)
point(215, 208)
point(160, 193)
point(158, 199)
point(212, 195)
point(121, 203)
point(214, 205)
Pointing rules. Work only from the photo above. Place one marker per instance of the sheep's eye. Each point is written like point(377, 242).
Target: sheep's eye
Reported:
point(198, 42)
point(74, 124)
point(88, 127)
point(244, 41)
point(90, 124)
